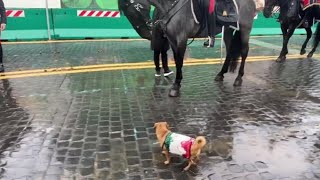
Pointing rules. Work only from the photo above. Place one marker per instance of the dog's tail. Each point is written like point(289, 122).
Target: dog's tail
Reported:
point(200, 141)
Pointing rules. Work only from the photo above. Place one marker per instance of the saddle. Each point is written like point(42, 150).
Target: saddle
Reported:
point(296, 12)
point(309, 3)
point(164, 17)
point(293, 10)
point(226, 12)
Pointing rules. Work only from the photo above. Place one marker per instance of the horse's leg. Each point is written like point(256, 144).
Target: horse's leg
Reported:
point(289, 32)
point(314, 48)
point(178, 53)
point(245, 35)
point(284, 30)
point(228, 35)
point(303, 48)
point(316, 41)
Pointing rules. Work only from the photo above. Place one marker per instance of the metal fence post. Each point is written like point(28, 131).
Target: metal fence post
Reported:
point(48, 20)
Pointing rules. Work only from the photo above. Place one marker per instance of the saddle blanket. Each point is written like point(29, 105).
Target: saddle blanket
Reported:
point(308, 3)
point(259, 5)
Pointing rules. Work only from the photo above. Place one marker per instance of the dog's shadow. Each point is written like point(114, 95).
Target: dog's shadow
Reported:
point(177, 164)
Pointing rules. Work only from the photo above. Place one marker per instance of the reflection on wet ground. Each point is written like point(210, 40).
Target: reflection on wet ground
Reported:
point(55, 55)
point(100, 125)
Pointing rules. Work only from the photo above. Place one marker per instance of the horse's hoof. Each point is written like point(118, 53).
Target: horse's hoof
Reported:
point(219, 78)
point(281, 58)
point(237, 82)
point(310, 55)
point(1, 68)
point(175, 90)
point(302, 52)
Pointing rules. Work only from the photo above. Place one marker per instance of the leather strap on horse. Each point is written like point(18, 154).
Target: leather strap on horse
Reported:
point(166, 17)
point(175, 8)
point(302, 20)
point(193, 13)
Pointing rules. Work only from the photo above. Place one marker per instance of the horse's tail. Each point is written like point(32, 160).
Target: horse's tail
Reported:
point(317, 35)
point(120, 6)
point(235, 51)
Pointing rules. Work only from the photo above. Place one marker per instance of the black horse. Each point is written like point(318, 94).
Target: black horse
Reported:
point(182, 26)
point(289, 17)
point(181, 22)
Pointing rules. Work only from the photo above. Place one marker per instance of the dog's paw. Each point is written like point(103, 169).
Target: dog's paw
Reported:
point(166, 162)
point(186, 169)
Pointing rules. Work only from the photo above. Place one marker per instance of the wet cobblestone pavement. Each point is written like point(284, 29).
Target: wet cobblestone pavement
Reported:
point(55, 55)
point(99, 125)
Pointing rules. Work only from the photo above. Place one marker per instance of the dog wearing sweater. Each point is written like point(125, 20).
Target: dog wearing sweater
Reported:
point(178, 144)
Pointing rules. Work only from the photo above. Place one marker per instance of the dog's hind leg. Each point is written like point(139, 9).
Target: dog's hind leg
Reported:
point(166, 153)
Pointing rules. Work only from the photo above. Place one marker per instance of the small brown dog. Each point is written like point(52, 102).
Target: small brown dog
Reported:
point(174, 143)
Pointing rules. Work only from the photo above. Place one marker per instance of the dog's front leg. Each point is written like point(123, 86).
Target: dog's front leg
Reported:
point(196, 160)
point(166, 153)
point(189, 165)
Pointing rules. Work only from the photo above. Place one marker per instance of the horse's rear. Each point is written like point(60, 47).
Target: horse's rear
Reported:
point(247, 11)
point(183, 26)
point(315, 12)
point(237, 43)
point(293, 21)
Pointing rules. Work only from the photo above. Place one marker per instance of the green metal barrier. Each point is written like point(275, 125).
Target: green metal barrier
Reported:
point(31, 27)
point(66, 24)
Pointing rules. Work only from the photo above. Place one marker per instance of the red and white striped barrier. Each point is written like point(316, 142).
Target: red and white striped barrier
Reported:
point(94, 13)
point(15, 13)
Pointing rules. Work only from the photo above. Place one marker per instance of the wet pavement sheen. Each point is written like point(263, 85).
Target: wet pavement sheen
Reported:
point(100, 125)
point(55, 55)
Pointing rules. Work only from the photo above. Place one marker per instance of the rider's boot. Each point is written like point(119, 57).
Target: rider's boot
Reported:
point(210, 42)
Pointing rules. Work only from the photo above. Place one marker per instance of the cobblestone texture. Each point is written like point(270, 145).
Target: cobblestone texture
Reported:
point(100, 125)
point(56, 55)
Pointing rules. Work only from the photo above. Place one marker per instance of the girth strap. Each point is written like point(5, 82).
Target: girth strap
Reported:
point(166, 17)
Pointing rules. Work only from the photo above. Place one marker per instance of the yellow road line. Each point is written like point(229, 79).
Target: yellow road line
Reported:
point(190, 60)
point(126, 66)
point(106, 40)
point(74, 41)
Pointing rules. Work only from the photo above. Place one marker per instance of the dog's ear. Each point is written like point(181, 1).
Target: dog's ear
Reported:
point(167, 125)
point(155, 125)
